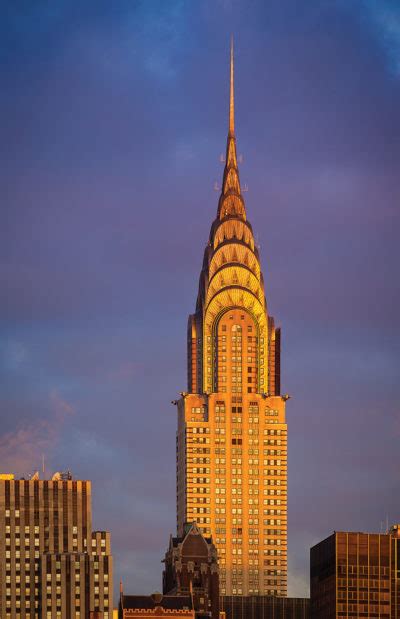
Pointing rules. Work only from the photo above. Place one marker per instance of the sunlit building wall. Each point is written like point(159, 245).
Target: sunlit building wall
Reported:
point(232, 433)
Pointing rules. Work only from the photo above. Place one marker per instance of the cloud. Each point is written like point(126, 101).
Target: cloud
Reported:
point(21, 450)
point(127, 370)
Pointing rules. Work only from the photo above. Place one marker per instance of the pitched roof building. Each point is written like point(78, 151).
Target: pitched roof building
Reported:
point(190, 582)
point(191, 568)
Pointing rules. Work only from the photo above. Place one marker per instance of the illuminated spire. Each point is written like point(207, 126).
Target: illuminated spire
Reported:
point(231, 202)
point(232, 97)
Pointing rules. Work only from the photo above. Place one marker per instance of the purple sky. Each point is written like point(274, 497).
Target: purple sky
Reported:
point(113, 117)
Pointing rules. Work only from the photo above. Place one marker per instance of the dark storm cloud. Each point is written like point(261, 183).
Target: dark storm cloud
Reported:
point(113, 118)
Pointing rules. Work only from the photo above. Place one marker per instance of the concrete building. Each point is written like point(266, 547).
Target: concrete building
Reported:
point(51, 563)
point(232, 434)
point(356, 575)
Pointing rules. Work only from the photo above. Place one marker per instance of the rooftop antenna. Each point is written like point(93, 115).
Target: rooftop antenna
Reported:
point(43, 467)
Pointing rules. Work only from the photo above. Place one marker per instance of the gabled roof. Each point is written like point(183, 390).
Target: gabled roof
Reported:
point(192, 529)
point(194, 535)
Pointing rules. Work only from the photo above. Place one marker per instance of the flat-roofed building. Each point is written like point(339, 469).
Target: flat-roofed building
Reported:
point(156, 605)
point(51, 564)
point(356, 575)
point(264, 607)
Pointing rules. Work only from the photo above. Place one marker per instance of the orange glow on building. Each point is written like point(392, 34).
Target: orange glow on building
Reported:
point(232, 433)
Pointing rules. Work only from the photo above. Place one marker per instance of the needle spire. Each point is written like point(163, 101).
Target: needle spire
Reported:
point(231, 201)
point(232, 97)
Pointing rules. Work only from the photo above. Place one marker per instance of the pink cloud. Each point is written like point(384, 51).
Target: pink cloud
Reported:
point(21, 450)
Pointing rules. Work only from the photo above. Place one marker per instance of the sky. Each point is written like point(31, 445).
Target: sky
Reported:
point(113, 117)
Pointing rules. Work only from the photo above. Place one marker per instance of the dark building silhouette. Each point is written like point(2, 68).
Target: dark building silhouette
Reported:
point(155, 605)
point(356, 575)
point(264, 607)
point(190, 582)
point(191, 568)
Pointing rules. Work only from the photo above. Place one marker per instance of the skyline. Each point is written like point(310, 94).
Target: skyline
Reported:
point(81, 238)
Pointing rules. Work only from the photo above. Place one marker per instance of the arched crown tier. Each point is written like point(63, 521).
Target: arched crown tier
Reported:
point(234, 276)
point(234, 252)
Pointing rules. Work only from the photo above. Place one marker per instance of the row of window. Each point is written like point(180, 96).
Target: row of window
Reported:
point(364, 569)
point(363, 582)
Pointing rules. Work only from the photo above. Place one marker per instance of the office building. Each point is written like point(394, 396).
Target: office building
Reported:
point(51, 563)
point(232, 433)
point(356, 575)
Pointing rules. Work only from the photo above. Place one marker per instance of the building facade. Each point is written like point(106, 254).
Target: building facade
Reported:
point(51, 564)
point(191, 568)
point(232, 433)
point(264, 607)
point(356, 575)
point(155, 606)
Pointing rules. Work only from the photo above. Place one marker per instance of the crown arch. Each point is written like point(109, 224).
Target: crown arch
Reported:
point(235, 343)
point(247, 311)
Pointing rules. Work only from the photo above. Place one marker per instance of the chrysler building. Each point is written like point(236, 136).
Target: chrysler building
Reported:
point(232, 433)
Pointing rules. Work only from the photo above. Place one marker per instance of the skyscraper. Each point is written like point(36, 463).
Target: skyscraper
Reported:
point(51, 563)
point(232, 433)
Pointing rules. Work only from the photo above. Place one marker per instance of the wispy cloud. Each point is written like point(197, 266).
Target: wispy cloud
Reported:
point(125, 371)
point(21, 449)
